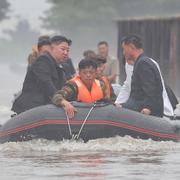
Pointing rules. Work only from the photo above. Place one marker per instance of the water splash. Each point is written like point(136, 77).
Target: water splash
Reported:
point(116, 144)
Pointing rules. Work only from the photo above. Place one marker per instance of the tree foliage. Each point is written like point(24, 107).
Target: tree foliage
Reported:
point(4, 5)
point(88, 21)
point(73, 14)
point(68, 14)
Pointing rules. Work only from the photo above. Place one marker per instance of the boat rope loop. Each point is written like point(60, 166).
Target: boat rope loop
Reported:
point(76, 136)
point(69, 126)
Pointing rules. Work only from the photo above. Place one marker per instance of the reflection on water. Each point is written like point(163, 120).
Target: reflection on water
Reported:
point(111, 158)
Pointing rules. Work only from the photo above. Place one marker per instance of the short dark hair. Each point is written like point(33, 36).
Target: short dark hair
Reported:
point(100, 59)
point(59, 39)
point(43, 40)
point(132, 39)
point(89, 54)
point(102, 43)
point(85, 63)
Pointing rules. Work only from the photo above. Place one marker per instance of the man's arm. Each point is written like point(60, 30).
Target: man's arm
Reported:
point(68, 92)
point(61, 97)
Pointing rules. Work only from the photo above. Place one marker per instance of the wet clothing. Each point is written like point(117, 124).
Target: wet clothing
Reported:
point(146, 87)
point(75, 90)
point(42, 80)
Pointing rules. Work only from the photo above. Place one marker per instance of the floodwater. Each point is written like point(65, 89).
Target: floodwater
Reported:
point(112, 158)
point(109, 158)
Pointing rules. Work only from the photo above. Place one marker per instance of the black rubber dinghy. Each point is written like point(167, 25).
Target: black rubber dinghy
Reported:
point(90, 122)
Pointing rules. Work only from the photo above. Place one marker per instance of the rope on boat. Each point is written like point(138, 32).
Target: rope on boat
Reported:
point(76, 136)
point(69, 126)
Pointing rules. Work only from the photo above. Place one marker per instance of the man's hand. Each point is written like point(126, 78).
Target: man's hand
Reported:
point(69, 108)
point(146, 111)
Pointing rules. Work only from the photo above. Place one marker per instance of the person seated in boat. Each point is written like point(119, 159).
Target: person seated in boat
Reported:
point(44, 77)
point(84, 87)
point(146, 94)
point(101, 61)
point(169, 99)
point(101, 64)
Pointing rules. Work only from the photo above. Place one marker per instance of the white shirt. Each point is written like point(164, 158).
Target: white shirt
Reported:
point(168, 109)
point(126, 87)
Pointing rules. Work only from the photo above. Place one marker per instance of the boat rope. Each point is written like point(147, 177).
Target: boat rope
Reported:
point(69, 126)
point(76, 136)
point(88, 114)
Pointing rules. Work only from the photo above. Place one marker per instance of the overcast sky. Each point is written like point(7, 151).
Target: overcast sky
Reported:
point(30, 10)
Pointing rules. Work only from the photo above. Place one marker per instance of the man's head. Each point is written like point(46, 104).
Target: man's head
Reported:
point(44, 44)
point(60, 48)
point(100, 61)
point(87, 71)
point(132, 47)
point(88, 54)
point(103, 48)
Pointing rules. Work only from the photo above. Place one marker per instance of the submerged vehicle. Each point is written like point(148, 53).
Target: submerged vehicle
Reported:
point(92, 121)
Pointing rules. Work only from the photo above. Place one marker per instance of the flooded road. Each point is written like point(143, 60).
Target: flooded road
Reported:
point(112, 158)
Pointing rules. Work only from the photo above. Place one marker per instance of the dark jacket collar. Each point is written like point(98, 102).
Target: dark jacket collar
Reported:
point(139, 57)
point(51, 57)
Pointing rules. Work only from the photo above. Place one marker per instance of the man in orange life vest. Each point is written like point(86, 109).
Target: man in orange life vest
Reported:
point(83, 88)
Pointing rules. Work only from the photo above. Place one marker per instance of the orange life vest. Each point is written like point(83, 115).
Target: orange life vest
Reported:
point(106, 82)
point(84, 95)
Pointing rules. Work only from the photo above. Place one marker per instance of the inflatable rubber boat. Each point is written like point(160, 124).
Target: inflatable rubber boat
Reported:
point(91, 121)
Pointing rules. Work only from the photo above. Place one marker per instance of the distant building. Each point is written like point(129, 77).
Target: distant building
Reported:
point(161, 37)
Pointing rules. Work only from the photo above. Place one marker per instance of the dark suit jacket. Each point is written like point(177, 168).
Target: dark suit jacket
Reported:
point(146, 87)
point(42, 80)
point(68, 69)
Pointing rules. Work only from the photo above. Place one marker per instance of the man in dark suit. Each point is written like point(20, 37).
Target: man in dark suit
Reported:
point(44, 77)
point(146, 86)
